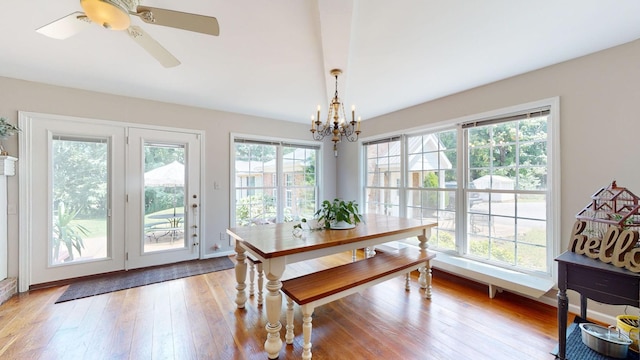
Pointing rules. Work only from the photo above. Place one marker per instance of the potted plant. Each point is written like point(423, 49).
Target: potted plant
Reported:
point(6, 130)
point(338, 214)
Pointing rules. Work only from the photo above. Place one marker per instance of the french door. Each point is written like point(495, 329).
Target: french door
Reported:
point(103, 196)
point(163, 197)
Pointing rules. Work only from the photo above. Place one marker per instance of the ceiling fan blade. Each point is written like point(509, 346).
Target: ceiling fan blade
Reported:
point(66, 26)
point(176, 19)
point(152, 47)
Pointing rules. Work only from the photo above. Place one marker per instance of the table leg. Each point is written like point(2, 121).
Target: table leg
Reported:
point(241, 276)
point(563, 307)
point(273, 268)
point(583, 307)
point(424, 238)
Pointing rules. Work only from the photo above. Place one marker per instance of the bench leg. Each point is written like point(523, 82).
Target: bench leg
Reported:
point(407, 277)
point(307, 311)
point(260, 283)
point(425, 279)
point(252, 274)
point(290, 334)
point(369, 252)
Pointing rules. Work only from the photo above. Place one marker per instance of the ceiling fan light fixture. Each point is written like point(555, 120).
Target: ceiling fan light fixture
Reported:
point(108, 13)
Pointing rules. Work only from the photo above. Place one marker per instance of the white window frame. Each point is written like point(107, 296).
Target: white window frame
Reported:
point(279, 184)
point(553, 184)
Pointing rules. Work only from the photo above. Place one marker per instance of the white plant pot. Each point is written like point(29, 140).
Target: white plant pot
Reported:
point(342, 225)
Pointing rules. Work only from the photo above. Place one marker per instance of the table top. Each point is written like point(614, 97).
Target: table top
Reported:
point(576, 259)
point(275, 240)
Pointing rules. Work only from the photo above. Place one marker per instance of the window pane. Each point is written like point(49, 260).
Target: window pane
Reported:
point(534, 153)
point(479, 159)
point(533, 129)
point(532, 206)
point(532, 257)
point(503, 251)
point(532, 178)
point(383, 201)
point(503, 204)
point(478, 246)
point(532, 232)
point(80, 200)
point(504, 155)
point(256, 209)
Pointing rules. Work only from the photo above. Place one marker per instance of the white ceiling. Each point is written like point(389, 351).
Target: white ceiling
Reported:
point(272, 58)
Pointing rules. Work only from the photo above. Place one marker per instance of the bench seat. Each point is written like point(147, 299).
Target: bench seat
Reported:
point(319, 288)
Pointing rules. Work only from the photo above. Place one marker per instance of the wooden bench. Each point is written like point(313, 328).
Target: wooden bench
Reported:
point(322, 287)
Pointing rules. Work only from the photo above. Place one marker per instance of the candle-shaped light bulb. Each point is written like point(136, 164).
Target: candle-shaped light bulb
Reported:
point(358, 127)
point(353, 112)
point(313, 123)
point(318, 112)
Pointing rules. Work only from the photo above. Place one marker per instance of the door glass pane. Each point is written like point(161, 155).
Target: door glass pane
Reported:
point(79, 195)
point(164, 179)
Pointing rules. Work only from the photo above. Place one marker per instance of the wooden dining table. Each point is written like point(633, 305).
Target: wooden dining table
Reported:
point(275, 245)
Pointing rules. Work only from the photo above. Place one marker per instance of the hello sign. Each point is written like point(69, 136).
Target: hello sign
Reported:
point(617, 247)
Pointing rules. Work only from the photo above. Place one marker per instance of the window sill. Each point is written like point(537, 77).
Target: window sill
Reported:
point(497, 278)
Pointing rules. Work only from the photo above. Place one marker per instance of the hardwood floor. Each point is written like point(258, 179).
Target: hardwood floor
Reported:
point(196, 318)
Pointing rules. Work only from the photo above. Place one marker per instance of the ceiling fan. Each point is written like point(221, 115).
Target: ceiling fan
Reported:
point(115, 15)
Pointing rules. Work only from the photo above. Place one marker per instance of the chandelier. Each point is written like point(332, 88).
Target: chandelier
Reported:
point(336, 125)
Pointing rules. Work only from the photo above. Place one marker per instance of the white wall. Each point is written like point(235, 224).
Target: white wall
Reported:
point(599, 123)
point(18, 95)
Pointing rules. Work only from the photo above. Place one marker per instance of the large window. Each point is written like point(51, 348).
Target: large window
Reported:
point(486, 182)
point(274, 182)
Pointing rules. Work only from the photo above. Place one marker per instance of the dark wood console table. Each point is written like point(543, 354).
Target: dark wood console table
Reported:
point(592, 279)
